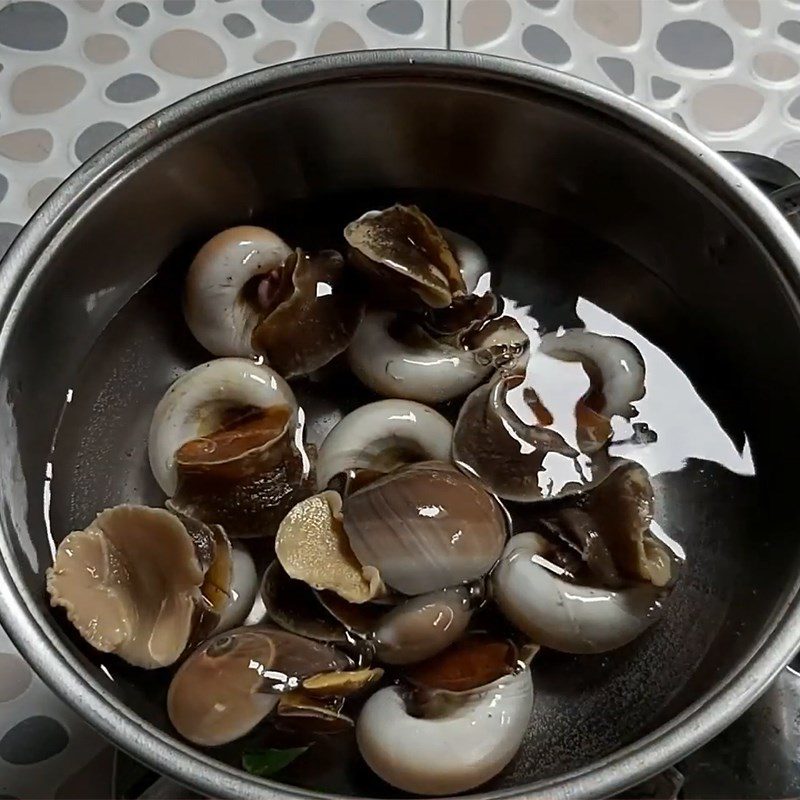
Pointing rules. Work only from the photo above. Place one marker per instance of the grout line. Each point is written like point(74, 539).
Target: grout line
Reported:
point(447, 17)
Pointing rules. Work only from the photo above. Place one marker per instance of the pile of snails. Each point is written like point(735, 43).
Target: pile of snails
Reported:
point(401, 589)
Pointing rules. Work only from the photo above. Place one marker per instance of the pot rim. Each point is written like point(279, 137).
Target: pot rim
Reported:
point(34, 633)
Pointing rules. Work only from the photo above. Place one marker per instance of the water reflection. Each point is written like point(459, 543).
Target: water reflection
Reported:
point(685, 426)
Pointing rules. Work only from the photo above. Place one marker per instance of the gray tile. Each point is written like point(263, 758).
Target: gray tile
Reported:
point(33, 740)
point(397, 16)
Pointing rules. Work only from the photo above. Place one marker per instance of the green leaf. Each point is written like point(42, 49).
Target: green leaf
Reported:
point(270, 761)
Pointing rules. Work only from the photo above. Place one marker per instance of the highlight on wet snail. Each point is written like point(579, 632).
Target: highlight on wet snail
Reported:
point(396, 581)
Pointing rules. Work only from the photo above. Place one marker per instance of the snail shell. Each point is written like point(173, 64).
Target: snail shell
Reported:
point(218, 307)
point(470, 257)
point(563, 615)
point(382, 436)
point(425, 527)
point(467, 741)
point(243, 589)
point(248, 294)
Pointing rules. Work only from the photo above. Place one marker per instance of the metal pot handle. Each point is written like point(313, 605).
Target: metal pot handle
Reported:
point(779, 182)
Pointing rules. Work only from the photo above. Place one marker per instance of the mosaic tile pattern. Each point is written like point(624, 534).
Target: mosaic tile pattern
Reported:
point(43, 744)
point(76, 73)
point(728, 70)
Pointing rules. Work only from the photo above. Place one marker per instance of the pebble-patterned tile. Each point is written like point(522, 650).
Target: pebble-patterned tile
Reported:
point(483, 21)
point(105, 48)
point(8, 232)
point(131, 88)
point(97, 135)
point(36, 728)
point(28, 145)
point(403, 17)
point(727, 70)
point(188, 54)
point(16, 677)
point(93, 781)
point(82, 72)
point(35, 739)
point(135, 14)
point(32, 26)
point(40, 191)
point(239, 25)
point(275, 52)
point(39, 90)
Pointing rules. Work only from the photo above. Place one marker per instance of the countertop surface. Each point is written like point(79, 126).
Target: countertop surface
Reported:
point(76, 73)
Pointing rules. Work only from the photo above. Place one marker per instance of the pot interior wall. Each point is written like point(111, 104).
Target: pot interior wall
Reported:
point(570, 203)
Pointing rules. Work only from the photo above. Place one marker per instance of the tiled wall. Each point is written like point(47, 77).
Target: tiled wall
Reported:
point(77, 72)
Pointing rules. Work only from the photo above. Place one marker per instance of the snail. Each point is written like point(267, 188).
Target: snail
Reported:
point(249, 294)
point(226, 445)
point(630, 570)
point(432, 740)
point(381, 436)
point(448, 341)
point(140, 583)
point(239, 678)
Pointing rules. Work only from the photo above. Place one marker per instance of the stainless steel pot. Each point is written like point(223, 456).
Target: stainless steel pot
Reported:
point(718, 289)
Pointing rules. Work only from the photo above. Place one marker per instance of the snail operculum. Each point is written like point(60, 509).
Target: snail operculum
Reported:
point(248, 475)
point(474, 661)
point(136, 582)
point(402, 246)
point(301, 712)
point(236, 679)
point(312, 546)
point(341, 683)
point(317, 706)
point(316, 320)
